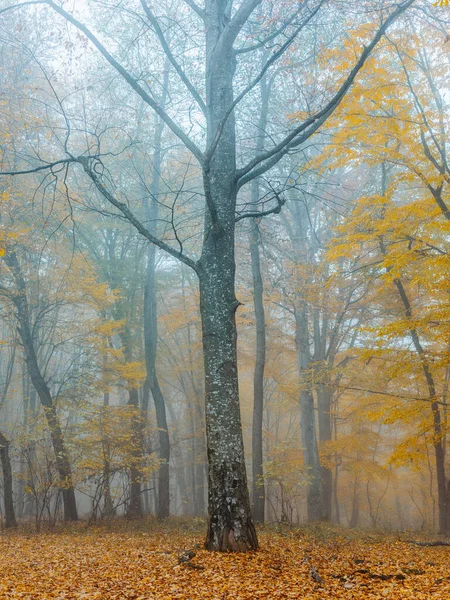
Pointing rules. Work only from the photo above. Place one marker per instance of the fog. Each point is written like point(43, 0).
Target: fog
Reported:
point(224, 264)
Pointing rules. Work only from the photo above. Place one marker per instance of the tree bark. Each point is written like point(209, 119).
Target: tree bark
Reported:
point(230, 525)
point(10, 517)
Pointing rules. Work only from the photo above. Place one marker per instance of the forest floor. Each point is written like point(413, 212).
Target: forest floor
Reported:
point(144, 561)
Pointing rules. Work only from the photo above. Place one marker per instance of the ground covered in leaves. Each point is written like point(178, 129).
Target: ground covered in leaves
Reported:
point(153, 561)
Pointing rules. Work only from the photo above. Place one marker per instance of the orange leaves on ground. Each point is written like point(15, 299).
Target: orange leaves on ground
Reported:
point(143, 565)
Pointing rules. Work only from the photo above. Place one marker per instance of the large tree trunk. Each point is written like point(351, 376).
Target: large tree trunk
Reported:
point(42, 389)
point(258, 487)
point(10, 517)
point(230, 524)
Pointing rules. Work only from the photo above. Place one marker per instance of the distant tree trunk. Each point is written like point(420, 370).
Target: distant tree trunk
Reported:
point(151, 323)
point(62, 458)
point(108, 507)
point(134, 509)
point(314, 494)
point(354, 518)
point(258, 486)
point(324, 396)
point(10, 517)
point(198, 421)
point(146, 442)
point(179, 463)
point(439, 453)
point(443, 508)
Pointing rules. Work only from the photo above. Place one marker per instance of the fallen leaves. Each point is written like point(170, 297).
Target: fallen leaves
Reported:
point(97, 564)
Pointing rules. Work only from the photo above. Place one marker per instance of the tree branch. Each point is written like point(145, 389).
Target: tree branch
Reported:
point(275, 56)
point(44, 167)
point(190, 145)
point(263, 213)
point(237, 22)
point(165, 46)
point(196, 8)
point(8, 8)
point(311, 125)
point(86, 163)
point(270, 37)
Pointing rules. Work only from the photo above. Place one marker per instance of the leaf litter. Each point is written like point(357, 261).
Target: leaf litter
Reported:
point(166, 562)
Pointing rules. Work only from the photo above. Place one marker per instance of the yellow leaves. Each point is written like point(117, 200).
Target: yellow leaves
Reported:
point(132, 372)
point(128, 563)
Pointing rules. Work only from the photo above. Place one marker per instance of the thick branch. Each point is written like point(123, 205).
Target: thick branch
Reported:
point(263, 213)
point(44, 167)
point(272, 60)
point(128, 214)
point(238, 21)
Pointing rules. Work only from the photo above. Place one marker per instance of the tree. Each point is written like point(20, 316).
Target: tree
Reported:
point(230, 524)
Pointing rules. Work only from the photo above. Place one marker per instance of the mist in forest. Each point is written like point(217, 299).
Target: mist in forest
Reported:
point(224, 263)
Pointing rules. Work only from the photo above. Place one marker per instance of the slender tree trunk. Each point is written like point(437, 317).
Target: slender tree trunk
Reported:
point(134, 509)
point(179, 462)
point(314, 495)
point(10, 517)
point(150, 338)
point(151, 324)
point(258, 484)
point(108, 507)
point(258, 487)
point(439, 453)
point(43, 391)
point(354, 518)
point(324, 395)
point(444, 524)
